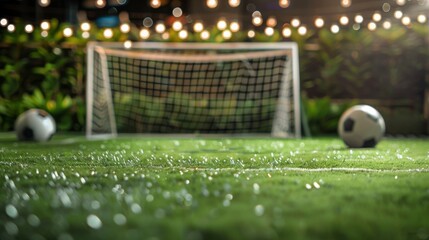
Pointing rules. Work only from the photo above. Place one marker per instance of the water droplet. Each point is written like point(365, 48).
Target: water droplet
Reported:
point(95, 204)
point(120, 219)
point(160, 213)
point(65, 236)
point(94, 222)
point(11, 211)
point(316, 185)
point(256, 188)
point(11, 228)
point(259, 210)
point(33, 220)
point(135, 208)
point(149, 198)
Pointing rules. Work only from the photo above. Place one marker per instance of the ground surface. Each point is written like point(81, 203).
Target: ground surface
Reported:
point(213, 188)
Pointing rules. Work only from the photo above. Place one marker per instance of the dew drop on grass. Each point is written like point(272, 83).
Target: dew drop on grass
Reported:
point(94, 222)
point(256, 188)
point(95, 204)
point(11, 211)
point(316, 185)
point(119, 219)
point(135, 208)
point(259, 210)
point(229, 197)
point(149, 198)
point(11, 228)
point(65, 236)
point(33, 220)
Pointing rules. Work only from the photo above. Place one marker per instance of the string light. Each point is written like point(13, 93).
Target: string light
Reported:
point(284, 3)
point(286, 32)
point(295, 22)
point(160, 28)
point(356, 26)
point(125, 28)
point(257, 21)
point(376, 17)
point(128, 44)
point(165, 35)
point(144, 33)
point(177, 12)
point(234, 3)
point(271, 22)
point(387, 25)
point(358, 18)
point(100, 3)
point(421, 18)
point(401, 2)
point(198, 27)
point(319, 22)
point(221, 24)
point(256, 14)
point(86, 35)
point(302, 30)
point(3, 22)
point(234, 26)
point(108, 33)
point(67, 32)
point(335, 29)
point(251, 34)
point(406, 20)
point(147, 22)
point(212, 3)
point(44, 33)
point(183, 34)
point(269, 31)
point(177, 26)
point(29, 28)
point(386, 7)
point(85, 26)
point(45, 25)
point(346, 3)
point(44, 3)
point(398, 14)
point(11, 28)
point(227, 34)
point(372, 26)
point(155, 3)
point(344, 20)
point(205, 35)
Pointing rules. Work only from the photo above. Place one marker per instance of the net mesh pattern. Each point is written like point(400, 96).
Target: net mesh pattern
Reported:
point(175, 93)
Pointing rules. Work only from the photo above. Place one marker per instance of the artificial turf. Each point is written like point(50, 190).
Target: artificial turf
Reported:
point(151, 187)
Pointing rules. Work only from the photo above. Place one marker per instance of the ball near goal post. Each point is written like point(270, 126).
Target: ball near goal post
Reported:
point(227, 88)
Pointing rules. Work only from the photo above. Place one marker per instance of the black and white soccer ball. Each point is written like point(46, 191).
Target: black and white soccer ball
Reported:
point(35, 125)
point(361, 126)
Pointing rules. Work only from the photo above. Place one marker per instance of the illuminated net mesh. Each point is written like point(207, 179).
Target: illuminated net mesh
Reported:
point(191, 91)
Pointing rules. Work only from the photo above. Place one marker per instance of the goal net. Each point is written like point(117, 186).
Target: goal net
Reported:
point(230, 88)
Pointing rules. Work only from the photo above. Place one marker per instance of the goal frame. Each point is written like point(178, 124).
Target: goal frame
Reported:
point(292, 47)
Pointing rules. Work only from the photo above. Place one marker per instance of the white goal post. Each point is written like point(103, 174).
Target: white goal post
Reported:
point(228, 88)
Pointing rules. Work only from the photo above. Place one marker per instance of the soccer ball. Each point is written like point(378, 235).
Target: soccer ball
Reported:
point(361, 126)
point(35, 125)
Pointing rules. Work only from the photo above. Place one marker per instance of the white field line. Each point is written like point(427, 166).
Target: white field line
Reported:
point(292, 169)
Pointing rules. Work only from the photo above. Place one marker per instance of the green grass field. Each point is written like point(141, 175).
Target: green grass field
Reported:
point(213, 188)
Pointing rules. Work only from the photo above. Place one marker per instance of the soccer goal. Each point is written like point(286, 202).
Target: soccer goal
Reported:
point(195, 88)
